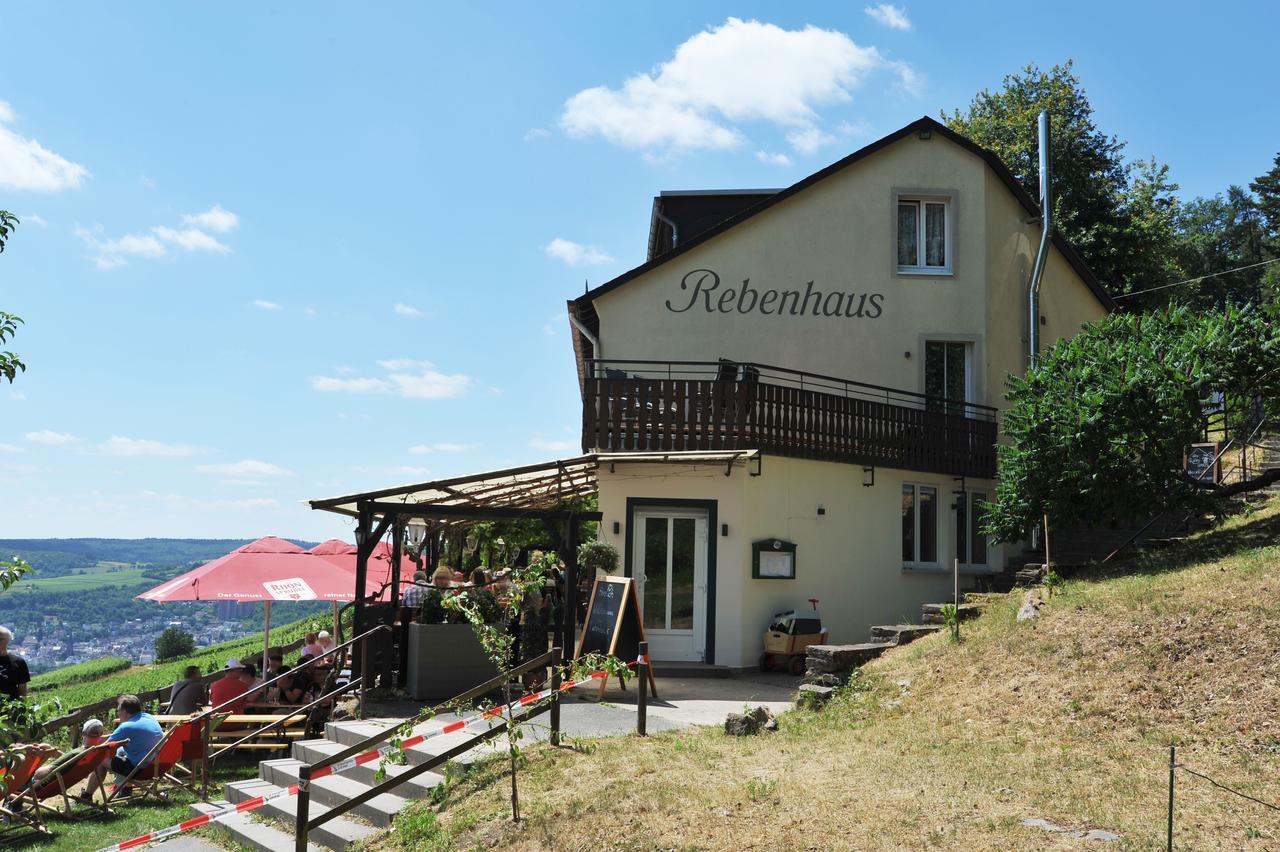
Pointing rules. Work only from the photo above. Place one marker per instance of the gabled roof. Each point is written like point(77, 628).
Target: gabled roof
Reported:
point(586, 311)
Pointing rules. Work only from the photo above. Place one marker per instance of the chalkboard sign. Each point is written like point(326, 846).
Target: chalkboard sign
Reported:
point(613, 625)
point(1200, 462)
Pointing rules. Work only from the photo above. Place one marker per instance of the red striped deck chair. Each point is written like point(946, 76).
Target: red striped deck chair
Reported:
point(162, 771)
point(13, 807)
point(69, 774)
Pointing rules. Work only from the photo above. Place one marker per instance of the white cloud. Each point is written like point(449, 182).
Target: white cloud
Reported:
point(17, 396)
point(52, 438)
point(909, 78)
point(191, 239)
point(741, 71)
point(809, 140)
point(265, 305)
point(111, 253)
point(215, 219)
point(574, 254)
point(14, 448)
point(248, 467)
point(404, 310)
point(34, 219)
point(121, 446)
point(406, 377)
point(25, 164)
point(147, 182)
point(893, 17)
point(773, 159)
point(444, 447)
point(546, 446)
point(533, 134)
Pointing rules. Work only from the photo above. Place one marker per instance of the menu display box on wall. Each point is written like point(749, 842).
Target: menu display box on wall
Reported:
point(773, 559)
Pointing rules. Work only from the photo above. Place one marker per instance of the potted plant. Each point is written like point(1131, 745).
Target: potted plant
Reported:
point(445, 657)
point(597, 557)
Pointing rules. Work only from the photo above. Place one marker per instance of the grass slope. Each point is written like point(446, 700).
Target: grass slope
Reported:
point(82, 582)
point(941, 745)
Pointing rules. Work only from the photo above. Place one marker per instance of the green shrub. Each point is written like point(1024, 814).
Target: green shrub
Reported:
point(88, 670)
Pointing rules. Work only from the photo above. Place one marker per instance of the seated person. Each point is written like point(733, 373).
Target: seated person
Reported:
point(275, 668)
point(414, 592)
point(252, 683)
point(443, 577)
point(299, 686)
point(325, 641)
point(231, 687)
point(186, 694)
point(92, 733)
point(142, 732)
point(311, 645)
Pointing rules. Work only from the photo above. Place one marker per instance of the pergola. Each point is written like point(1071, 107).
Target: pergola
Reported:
point(539, 491)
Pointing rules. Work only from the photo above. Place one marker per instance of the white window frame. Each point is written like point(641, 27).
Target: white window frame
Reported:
point(937, 524)
point(920, 199)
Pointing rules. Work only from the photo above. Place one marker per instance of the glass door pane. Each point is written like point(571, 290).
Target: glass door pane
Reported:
point(655, 573)
point(928, 524)
point(682, 565)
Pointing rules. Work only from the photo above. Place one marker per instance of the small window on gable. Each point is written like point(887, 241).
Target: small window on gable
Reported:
point(924, 234)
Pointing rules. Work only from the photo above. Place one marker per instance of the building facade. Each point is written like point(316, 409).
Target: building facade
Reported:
point(808, 381)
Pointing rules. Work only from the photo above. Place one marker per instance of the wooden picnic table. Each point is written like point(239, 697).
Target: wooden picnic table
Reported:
point(242, 719)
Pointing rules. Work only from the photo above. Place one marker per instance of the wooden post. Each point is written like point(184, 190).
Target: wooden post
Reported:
point(397, 551)
point(364, 529)
point(556, 657)
point(304, 807)
point(642, 690)
point(204, 761)
point(1048, 562)
point(955, 597)
point(266, 634)
point(569, 638)
point(364, 671)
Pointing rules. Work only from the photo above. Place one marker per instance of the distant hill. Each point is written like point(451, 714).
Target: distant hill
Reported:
point(57, 557)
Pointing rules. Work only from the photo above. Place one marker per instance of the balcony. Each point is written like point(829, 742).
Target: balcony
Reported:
point(648, 406)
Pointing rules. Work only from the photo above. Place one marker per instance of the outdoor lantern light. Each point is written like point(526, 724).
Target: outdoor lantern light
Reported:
point(724, 529)
point(868, 477)
point(414, 533)
point(617, 527)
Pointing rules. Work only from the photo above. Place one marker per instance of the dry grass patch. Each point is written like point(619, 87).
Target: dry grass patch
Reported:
point(941, 745)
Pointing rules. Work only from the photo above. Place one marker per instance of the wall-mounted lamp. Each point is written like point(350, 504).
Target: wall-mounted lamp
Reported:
point(617, 527)
point(926, 134)
point(822, 510)
point(724, 529)
point(906, 354)
point(868, 477)
point(414, 533)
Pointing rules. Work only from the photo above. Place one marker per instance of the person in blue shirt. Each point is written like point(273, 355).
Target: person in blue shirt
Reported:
point(142, 732)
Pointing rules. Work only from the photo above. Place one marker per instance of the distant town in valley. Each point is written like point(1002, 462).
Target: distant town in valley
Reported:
point(78, 602)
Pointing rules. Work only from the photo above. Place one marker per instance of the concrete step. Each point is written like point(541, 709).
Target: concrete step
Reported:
point(312, 751)
point(901, 634)
point(251, 833)
point(334, 790)
point(931, 613)
point(351, 733)
point(337, 833)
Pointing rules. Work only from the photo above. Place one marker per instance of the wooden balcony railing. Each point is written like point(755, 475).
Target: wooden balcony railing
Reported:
point(646, 406)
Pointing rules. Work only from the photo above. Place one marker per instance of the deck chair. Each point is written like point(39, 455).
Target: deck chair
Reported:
point(13, 807)
point(161, 770)
point(69, 773)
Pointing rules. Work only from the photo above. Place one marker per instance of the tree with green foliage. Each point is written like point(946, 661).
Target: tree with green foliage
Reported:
point(173, 643)
point(10, 364)
point(1101, 427)
point(1121, 227)
point(1216, 235)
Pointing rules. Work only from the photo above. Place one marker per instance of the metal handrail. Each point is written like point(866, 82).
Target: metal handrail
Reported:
point(305, 823)
point(713, 368)
point(207, 715)
point(292, 714)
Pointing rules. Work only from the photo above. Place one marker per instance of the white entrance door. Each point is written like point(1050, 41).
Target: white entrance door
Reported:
point(670, 562)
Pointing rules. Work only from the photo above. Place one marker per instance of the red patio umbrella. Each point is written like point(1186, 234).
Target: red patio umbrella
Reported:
point(343, 554)
point(269, 569)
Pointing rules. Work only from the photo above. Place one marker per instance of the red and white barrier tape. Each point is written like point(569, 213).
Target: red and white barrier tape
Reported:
point(349, 763)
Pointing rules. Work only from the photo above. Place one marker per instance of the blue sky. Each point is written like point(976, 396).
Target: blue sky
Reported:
point(276, 253)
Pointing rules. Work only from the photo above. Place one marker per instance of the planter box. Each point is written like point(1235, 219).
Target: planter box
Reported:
point(445, 660)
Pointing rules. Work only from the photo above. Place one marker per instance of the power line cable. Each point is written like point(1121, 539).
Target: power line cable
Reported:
point(1193, 280)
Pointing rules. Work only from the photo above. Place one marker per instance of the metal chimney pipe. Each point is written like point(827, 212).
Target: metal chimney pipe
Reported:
point(1042, 255)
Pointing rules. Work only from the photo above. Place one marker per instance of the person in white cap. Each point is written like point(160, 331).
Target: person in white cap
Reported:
point(324, 640)
point(229, 687)
point(92, 733)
